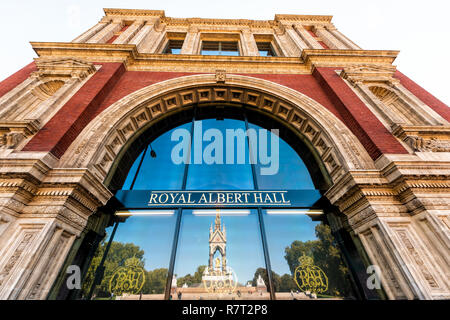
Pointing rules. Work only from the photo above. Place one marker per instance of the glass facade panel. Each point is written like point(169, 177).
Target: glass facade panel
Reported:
point(304, 257)
point(220, 253)
point(137, 262)
point(160, 172)
point(173, 47)
point(288, 169)
point(214, 173)
point(220, 48)
point(219, 256)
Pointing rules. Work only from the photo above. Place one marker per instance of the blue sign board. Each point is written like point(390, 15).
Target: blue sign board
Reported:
point(145, 199)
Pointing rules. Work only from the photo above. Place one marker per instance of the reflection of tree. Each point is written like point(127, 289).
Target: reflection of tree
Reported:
point(282, 283)
point(118, 253)
point(326, 256)
point(189, 279)
point(155, 281)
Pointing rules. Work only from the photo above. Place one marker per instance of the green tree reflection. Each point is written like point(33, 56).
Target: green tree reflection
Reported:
point(155, 280)
point(326, 256)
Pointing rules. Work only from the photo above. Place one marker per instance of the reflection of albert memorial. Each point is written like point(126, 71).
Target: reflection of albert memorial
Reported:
point(217, 277)
point(217, 242)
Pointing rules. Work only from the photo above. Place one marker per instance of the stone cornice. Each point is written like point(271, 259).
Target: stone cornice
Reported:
point(133, 12)
point(303, 18)
point(134, 60)
point(130, 13)
point(217, 22)
point(342, 58)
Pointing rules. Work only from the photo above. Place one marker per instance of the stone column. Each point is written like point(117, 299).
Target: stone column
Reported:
point(191, 42)
point(106, 33)
point(88, 34)
point(248, 43)
point(307, 37)
point(328, 38)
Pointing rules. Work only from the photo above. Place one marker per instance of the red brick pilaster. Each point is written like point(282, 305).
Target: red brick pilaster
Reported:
point(57, 135)
point(441, 108)
point(355, 114)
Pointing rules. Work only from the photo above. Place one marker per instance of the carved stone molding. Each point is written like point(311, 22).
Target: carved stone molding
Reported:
point(369, 73)
point(64, 68)
point(221, 76)
point(424, 138)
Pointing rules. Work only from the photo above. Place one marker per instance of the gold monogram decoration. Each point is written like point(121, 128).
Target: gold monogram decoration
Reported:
point(128, 279)
point(309, 277)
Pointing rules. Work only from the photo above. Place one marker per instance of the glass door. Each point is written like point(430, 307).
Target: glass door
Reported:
point(219, 256)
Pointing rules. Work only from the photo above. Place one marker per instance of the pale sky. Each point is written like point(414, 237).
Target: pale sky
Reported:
point(419, 29)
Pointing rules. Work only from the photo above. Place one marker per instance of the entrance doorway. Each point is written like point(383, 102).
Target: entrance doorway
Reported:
point(253, 236)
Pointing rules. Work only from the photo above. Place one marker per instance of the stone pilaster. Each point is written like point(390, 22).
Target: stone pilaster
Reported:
point(285, 42)
point(47, 108)
point(140, 38)
point(191, 42)
point(328, 38)
point(106, 33)
point(389, 116)
point(41, 215)
point(400, 215)
point(91, 32)
point(342, 38)
point(428, 115)
point(154, 38)
point(300, 44)
point(307, 37)
point(129, 33)
point(248, 43)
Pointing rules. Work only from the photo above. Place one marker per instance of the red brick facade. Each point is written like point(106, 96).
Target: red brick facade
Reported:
point(17, 78)
point(112, 82)
point(434, 103)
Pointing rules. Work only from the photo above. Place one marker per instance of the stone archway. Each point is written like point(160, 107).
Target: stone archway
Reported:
point(101, 142)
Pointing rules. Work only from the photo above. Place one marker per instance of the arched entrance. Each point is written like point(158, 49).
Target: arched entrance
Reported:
point(144, 120)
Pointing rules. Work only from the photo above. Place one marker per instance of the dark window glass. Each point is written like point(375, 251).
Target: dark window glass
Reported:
point(265, 49)
point(174, 47)
point(219, 256)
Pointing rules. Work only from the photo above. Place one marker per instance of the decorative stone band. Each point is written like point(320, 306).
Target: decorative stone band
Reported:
point(425, 138)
